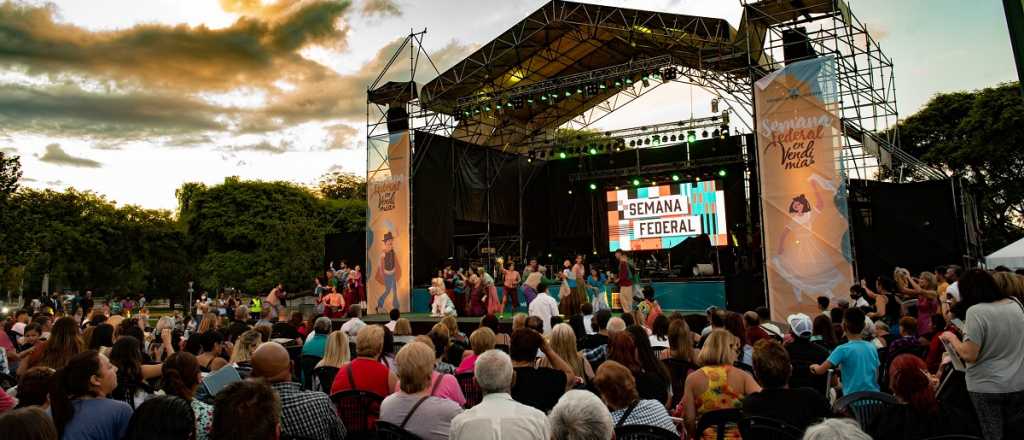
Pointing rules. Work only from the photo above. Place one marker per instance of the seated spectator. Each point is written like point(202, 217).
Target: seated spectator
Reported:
point(34, 386)
point(439, 338)
point(836, 429)
point(599, 335)
point(882, 335)
point(304, 414)
point(164, 418)
point(403, 331)
point(481, 340)
point(580, 415)
point(412, 407)
point(491, 322)
point(498, 415)
point(622, 349)
point(210, 347)
point(599, 353)
point(454, 333)
point(537, 387)
point(618, 391)
point(241, 353)
point(181, 377)
point(659, 332)
point(79, 403)
point(857, 359)
point(248, 409)
point(907, 342)
point(535, 323)
point(717, 384)
point(518, 321)
point(365, 372)
point(563, 342)
point(317, 345)
point(803, 352)
point(394, 315)
point(63, 344)
point(354, 323)
point(132, 375)
point(734, 324)
point(27, 424)
point(799, 407)
point(918, 415)
point(239, 324)
point(336, 354)
point(447, 386)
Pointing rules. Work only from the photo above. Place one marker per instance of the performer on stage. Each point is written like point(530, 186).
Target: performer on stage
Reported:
point(511, 283)
point(490, 292)
point(625, 277)
point(334, 304)
point(476, 296)
point(597, 285)
point(442, 304)
point(530, 287)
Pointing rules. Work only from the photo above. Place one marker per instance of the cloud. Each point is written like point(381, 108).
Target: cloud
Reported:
point(341, 136)
point(381, 7)
point(263, 147)
point(56, 155)
point(10, 150)
point(67, 110)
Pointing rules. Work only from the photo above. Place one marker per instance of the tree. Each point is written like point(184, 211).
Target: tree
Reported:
point(341, 185)
point(10, 174)
point(978, 136)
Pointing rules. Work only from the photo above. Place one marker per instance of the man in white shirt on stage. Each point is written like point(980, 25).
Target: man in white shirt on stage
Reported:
point(544, 307)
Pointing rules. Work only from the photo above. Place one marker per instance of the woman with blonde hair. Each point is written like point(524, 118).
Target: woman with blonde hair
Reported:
point(210, 322)
point(336, 354)
point(403, 331)
point(518, 321)
point(481, 340)
point(441, 305)
point(241, 354)
point(563, 342)
point(716, 385)
point(1010, 283)
point(453, 329)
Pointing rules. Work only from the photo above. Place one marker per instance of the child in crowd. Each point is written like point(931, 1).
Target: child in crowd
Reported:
point(857, 359)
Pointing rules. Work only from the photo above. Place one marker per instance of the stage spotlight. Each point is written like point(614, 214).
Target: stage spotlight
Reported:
point(618, 83)
point(487, 108)
point(669, 73)
point(570, 191)
point(664, 138)
point(593, 187)
point(593, 150)
point(647, 142)
point(561, 154)
point(529, 100)
point(629, 80)
point(673, 138)
point(593, 89)
point(645, 82)
point(568, 93)
point(529, 160)
point(725, 132)
point(675, 177)
point(636, 182)
point(691, 136)
point(704, 134)
point(722, 172)
point(632, 143)
point(549, 255)
point(516, 103)
point(543, 97)
point(579, 90)
point(714, 133)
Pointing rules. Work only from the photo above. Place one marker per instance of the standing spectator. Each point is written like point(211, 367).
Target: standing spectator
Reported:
point(618, 390)
point(181, 378)
point(908, 341)
point(249, 410)
point(993, 349)
point(162, 418)
point(823, 333)
point(304, 414)
point(857, 359)
point(33, 388)
point(803, 352)
point(544, 307)
point(497, 415)
point(79, 401)
point(580, 415)
point(27, 424)
point(366, 372)
point(132, 375)
point(717, 384)
point(799, 407)
point(413, 407)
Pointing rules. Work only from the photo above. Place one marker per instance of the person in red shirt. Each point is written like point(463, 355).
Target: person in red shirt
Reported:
point(366, 372)
point(625, 282)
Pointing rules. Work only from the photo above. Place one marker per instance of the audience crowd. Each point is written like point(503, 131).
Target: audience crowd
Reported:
point(904, 357)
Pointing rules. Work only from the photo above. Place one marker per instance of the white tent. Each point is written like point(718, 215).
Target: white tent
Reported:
point(1011, 256)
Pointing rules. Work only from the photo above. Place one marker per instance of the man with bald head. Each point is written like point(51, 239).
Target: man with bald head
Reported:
point(304, 414)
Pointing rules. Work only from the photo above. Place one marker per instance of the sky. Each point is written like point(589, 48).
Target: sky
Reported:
point(132, 98)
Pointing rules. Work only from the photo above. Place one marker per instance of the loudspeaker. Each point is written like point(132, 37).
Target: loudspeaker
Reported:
point(796, 46)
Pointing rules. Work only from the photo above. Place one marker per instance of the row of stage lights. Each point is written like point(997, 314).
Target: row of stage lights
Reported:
point(636, 181)
point(553, 97)
point(618, 145)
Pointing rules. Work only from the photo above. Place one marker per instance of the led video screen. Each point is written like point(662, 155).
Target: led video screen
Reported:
point(660, 217)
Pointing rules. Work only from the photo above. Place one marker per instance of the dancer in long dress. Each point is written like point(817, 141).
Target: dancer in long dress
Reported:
point(596, 284)
point(568, 303)
point(799, 257)
point(490, 292)
point(579, 290)
point(476, 296)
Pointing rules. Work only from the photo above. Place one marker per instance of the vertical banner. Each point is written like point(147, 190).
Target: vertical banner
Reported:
point(387, 222)
point(803, 196)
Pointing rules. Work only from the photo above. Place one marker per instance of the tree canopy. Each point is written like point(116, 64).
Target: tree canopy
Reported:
point(978, 136)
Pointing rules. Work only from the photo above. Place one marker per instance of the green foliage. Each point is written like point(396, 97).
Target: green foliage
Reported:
point(10, 173)
point(978, 136)
point(340, 185)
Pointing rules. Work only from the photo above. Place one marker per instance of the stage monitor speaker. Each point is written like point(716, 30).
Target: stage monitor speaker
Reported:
point(703, 270)
point(796, 46)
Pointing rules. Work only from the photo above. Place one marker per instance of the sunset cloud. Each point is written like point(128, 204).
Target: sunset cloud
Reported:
point(56, 155)
point(381, 7)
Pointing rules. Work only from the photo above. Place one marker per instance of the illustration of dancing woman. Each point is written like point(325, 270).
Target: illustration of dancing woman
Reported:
point(799, 257)
point(388, 272)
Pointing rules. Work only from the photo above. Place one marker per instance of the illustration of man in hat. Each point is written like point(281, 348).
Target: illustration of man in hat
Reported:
point(388, 272)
